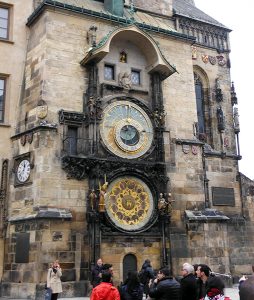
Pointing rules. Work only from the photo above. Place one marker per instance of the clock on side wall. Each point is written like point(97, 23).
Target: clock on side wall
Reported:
point(23, 170)
point(126, 129)
point(23, 167)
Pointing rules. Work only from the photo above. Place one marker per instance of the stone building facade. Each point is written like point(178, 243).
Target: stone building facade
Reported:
point(119, 139)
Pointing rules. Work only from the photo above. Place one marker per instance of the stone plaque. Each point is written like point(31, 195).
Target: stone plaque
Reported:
point(223, 196)
point(22, 247)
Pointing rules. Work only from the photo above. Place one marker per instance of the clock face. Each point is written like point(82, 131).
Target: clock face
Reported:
point(129, 203)
point(23, 170)
point(126, 129)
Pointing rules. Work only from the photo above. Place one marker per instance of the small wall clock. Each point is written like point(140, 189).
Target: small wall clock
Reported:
point(23, 170)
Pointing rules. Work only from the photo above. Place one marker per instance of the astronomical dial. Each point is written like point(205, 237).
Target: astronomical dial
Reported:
point(126, 130)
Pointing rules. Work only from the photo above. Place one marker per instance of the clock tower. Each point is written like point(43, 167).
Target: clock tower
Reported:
point(124, 124)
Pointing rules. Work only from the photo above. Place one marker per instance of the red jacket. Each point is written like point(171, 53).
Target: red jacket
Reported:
point(105, 291)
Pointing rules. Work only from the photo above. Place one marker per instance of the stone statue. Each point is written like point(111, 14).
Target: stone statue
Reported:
point(161, 202)
point(220, 117)
point(92, 199)
point(125, 80)
point(123, 57)
point(236, 120)
point(170, 201)
point(103, 190)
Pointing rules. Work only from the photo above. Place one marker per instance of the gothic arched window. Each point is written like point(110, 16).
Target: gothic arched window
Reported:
point(200, 104)
point(203, 126)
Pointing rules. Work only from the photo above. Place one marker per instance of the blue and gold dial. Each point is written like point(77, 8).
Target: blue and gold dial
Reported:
point(126, 129)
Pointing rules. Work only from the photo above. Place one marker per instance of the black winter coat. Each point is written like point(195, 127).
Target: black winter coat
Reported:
point(189, 288)
point(166, 289)
point(96, 279)
point(135, 294)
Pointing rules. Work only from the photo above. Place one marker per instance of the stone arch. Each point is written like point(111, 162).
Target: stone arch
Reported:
point(156, 61)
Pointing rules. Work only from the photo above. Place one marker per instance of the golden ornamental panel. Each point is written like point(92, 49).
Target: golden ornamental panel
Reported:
point(129, 203)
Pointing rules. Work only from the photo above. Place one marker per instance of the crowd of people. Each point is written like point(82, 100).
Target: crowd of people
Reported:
point(197, 283)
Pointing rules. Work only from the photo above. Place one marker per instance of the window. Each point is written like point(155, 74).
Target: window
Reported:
point(109, 72)
point(72, 140)
point(135, 77)
point(199, 102)
point(2, 96)
point(4, 22)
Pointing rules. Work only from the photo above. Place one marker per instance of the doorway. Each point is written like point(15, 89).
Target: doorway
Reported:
point(129, 264)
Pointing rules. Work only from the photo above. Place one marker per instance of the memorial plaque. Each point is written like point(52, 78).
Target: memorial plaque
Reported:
point(223, 196)
point(22, 247)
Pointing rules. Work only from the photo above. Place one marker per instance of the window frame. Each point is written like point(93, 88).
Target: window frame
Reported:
point(4, 78)
point(114, 71)
point(140, 77)
point(8, 7)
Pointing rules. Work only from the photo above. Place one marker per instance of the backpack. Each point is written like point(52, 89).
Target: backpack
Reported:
point(142, 275)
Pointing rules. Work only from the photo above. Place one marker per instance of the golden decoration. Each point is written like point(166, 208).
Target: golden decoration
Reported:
point(129, 203)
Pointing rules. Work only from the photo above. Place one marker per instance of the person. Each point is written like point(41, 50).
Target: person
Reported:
point(132, 289)
point(145, 275)
point(165, 287)
point(246, 287)
point(188, 283)
point(105, 290)
point(215, 289)
point(96, 273)
point(54, 279)
point(203, 273)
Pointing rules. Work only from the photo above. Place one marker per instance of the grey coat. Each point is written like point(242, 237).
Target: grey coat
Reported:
point(54, 281)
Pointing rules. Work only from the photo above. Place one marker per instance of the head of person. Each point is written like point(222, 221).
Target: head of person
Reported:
point(99, 262)
point(55, 264)
point(108, 268)
point(163, 272)
point(203, 271)
point(106, 276)
point(187, 269)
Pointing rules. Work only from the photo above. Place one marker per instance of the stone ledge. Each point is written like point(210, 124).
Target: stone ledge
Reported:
point(44, 212)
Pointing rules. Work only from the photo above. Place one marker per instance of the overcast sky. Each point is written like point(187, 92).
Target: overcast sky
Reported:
point(238, 16)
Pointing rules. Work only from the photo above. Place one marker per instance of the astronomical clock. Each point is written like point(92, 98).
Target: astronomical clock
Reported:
point(126, 130)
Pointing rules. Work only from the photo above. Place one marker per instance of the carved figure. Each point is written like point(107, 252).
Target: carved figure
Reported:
point(170, 207)
point(125, 80)
point(236, 120)
point(91, 36)
point(159, 118)
point(123, 57)
point(162, 204)
point(91, 104)
point(220, 117)
point(103, 190)
point(92, 199)
point(194, 52)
